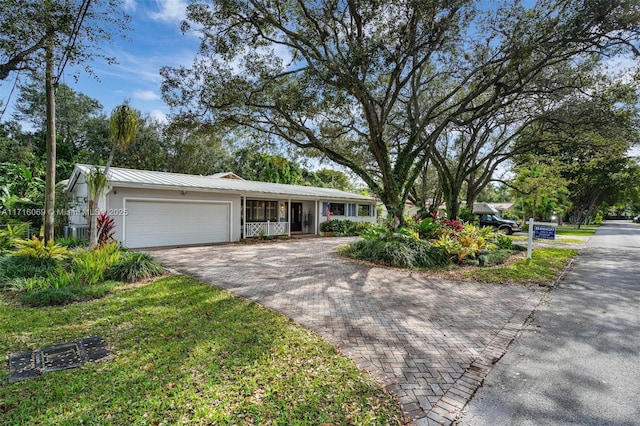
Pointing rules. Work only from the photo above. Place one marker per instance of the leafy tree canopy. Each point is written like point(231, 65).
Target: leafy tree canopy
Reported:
point(374, 85)
point(78, 29)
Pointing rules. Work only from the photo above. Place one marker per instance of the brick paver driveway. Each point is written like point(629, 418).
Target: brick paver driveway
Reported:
point(429, 341)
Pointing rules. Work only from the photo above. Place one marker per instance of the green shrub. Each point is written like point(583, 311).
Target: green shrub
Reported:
point(495, 257)
point(13, 267)
point(503, 242)
point(395, 253)
point(65, 295)
point(132, 267)
point(427, 256)
point(58, 279)
point(598, 220)
point(72, 242)
point(327, 226)
point(37, 248)
point(92, 265)
point(466, 215)
point(27, 284)
point(428, 228)
point(9, 234)
point(398, 252)
point(363, 227)
point(64, 279)
point(345, 227)
point(374, 232)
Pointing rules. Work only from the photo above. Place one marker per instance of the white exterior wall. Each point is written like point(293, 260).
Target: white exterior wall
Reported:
point(117, 195)
point(78, 206)
point(321, 218)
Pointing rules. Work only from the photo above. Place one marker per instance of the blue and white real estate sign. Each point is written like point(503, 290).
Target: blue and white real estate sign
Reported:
point(544, 232)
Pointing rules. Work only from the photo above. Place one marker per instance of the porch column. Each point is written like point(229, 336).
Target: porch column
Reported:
point(243, 221)
point(289, 218)
point(316, 219)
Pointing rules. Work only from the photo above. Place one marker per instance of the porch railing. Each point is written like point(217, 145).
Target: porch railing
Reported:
point(265, 229)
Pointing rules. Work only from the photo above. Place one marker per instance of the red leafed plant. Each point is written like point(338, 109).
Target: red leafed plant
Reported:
point(453, 225)
point(106, 230)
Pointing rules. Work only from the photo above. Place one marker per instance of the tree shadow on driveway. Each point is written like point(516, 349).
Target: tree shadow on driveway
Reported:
point(429, 341)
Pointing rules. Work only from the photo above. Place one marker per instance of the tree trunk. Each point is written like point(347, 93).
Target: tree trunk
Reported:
point(592, 207)
point(50, 180)
point(395, 210)
point(452, 197)
point(93, 234)
point(451, 193)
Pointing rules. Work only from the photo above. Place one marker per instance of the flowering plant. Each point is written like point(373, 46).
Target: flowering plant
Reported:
point(106, 230)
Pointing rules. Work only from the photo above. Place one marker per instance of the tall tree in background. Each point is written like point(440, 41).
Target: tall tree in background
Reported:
point(541, 191)
point(77, 27)
point(79, 119)
point(54, 33)
point(586, 140)
point(75, 111)
point(374, 85)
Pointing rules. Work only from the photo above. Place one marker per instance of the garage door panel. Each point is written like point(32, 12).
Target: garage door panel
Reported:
point(163, 223)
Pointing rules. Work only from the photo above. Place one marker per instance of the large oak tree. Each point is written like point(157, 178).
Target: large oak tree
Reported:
point(373, 85)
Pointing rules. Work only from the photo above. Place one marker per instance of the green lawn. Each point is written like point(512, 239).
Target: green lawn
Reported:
point(585, 230)
point(184, 352)
point(543, 268)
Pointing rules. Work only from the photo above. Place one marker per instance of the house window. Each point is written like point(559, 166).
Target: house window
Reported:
point(336, 209)
point(262, 211)
point(364, 210)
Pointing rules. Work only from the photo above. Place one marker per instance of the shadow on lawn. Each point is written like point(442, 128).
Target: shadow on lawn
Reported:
point(169, 340)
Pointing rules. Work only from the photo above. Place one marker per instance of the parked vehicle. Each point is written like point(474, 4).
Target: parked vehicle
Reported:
point(499, 224)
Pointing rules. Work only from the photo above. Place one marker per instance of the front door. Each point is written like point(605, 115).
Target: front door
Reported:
point(296, 217)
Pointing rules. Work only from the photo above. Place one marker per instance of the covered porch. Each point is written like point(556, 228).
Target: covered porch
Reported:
point(269, 217)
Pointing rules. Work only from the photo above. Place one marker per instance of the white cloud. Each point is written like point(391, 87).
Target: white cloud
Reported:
point(159, 115)
point(621, 68)
point(146, 95)
point(129, 5)
point(170, 10)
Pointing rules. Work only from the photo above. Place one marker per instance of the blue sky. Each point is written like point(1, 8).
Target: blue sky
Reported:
point(155, 40)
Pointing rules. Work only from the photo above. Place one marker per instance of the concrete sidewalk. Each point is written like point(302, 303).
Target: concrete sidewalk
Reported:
point(578, 362)
point(429, 341)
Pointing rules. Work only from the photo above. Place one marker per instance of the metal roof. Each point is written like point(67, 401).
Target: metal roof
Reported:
point(164, 180)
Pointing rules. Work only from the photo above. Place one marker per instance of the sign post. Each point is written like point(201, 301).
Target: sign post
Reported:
point(542, 230)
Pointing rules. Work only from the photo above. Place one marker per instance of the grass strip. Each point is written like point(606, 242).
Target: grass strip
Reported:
point(585, 230)
point(545, 265)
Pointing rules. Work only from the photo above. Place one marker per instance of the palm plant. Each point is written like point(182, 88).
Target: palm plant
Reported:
point(123, 127)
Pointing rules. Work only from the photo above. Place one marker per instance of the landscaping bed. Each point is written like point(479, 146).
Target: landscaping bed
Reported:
point(463, 251)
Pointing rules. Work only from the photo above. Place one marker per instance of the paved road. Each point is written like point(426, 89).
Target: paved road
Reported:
point(429, 341)
point(579, 361)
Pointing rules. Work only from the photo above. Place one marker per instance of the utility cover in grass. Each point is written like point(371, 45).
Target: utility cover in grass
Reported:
point(25, 365)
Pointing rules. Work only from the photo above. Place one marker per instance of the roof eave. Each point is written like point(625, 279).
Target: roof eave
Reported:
point(116, 184)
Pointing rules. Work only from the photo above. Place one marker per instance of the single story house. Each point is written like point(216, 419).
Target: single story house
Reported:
point(155, 209)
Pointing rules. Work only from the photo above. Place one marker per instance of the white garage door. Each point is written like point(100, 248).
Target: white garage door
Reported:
point(151, 223)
